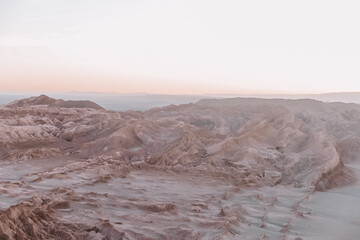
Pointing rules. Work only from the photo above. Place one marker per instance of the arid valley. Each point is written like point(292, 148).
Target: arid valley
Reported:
point(239, 168)
point(179, 120)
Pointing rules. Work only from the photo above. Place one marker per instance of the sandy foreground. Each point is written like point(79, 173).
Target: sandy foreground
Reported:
point(217, 169)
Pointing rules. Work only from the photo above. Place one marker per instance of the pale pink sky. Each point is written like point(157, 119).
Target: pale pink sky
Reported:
point(183, 47)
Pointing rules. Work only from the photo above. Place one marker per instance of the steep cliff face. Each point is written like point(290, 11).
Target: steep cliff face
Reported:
point(335, 177)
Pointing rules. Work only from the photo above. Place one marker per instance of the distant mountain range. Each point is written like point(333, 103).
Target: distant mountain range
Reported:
point(146, 101)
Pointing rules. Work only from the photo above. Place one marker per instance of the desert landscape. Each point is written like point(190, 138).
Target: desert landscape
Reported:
point(179, 120)
point(237, 168)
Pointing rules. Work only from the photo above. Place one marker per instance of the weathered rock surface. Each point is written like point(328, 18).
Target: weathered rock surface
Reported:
point(188, 168)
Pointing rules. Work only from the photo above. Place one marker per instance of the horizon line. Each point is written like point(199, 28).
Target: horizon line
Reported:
point(174, 94)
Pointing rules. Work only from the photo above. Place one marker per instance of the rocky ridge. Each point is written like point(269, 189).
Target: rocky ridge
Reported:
point(246, 144)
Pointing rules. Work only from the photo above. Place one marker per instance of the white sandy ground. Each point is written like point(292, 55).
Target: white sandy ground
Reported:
point(334, 214)
point(208, 208)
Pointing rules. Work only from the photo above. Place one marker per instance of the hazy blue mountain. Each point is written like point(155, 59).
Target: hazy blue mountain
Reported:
point(146, 101)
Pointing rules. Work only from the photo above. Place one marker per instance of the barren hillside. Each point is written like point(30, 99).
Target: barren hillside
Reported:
point(237, 168)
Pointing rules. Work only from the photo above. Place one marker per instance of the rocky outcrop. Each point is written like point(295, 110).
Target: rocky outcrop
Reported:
point(335, 177)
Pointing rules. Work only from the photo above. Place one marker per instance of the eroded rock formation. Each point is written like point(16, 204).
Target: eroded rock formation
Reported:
point(167, 173)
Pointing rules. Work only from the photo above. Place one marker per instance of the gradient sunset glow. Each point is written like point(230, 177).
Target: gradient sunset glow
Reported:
point(179, 47)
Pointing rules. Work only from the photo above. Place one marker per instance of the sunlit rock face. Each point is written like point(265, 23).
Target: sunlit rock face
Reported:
point(217, 169)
